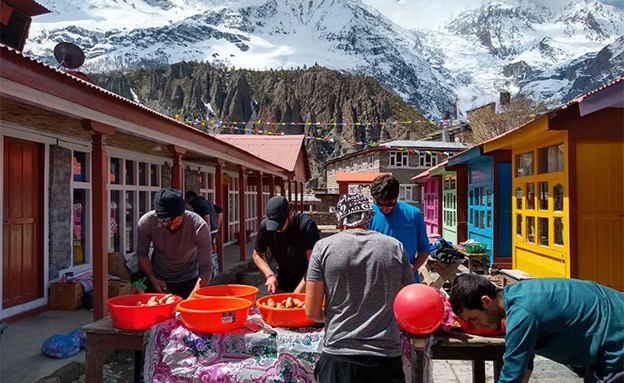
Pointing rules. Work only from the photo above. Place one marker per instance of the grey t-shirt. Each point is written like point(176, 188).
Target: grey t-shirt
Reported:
point(179, 255)
point(363, 271)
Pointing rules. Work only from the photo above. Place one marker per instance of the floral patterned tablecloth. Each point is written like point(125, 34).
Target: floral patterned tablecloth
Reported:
point(174, 354)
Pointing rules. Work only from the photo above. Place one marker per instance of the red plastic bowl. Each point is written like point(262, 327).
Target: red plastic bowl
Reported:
point(126, 315)
point(214, 314)
point(236, 291)
point(284, 317)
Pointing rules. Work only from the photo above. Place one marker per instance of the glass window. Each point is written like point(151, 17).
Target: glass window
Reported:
point(143, 174)
point(130, 221)
point(530, 196)
point(130, 173)
point(151, 205)
point(482, 196)
point(154, 175)
point(551, 159)
point(519, 225)
point(489, 198)
point(530, 224)
point(143, 204)
point(489, 219)
point(543, 231)
point(519, 198)
point(371, 160)
point(80, 167)
point(399, 159)
point(483, 220)
point(115, 171)
point(470, 197)
point(79, 229)
point(558, 223)
point(477, 199)
point(558, 198)
point(360, 163)
point(115, 223)
point(524, 164)
point(427, 160)
point(543, 196)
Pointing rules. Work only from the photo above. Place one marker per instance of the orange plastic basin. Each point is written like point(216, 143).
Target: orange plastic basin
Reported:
point(214, 314)
point(284, 317)
point(237, 291)
point(126, 315)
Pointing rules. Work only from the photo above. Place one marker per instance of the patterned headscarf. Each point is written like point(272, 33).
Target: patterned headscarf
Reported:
point(353, 210)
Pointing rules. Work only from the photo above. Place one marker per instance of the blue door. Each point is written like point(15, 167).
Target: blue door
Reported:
point(503, 221)
point(481, 204)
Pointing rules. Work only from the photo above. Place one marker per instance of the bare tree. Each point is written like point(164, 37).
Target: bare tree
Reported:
point(487, 123)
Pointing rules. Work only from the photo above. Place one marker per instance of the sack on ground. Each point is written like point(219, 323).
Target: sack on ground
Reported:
point(61, 346)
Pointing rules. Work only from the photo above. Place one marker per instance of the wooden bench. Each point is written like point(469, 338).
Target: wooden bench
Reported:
point(512, 275)
point(477, 262)
point(446, 272)
point(475, 348)
point(101, 336)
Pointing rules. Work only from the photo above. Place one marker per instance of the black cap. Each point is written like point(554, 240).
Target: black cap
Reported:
point(168, 203)
point(276, 213)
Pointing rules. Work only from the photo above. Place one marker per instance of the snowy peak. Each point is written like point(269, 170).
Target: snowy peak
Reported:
point(592, 19)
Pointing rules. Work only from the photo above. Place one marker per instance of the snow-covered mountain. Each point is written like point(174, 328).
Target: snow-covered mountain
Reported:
point(512, 45)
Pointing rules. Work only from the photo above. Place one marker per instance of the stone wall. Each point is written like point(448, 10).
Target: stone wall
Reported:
point(324, 218)
point(60, 201)
point(165, 176)
point(191, 180)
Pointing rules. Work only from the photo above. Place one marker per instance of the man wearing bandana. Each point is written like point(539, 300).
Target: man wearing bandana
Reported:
point(359, 273)
point(181, 261)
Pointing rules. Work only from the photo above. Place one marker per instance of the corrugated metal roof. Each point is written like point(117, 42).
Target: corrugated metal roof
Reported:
point(424, 144)
point(358, 177)
point(30, 7)
point(282, 151)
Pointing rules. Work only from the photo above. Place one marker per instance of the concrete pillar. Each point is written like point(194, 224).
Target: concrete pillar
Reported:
point(177, 171)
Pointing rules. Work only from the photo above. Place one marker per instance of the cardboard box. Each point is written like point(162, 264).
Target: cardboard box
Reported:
point(66, 296)
point(117, 288)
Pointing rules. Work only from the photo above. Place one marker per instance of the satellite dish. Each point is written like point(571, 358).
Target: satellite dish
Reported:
point(69, 55)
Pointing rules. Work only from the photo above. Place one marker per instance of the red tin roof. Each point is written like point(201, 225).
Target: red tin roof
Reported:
point(29, 7)
point(282, 151)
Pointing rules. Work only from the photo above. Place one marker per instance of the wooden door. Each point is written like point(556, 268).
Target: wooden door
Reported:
point(22, 229)
point(481, 205)
point(431, 203)
point(449, 207)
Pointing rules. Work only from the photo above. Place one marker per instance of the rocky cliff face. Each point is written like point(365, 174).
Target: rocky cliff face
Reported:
point(199, 90)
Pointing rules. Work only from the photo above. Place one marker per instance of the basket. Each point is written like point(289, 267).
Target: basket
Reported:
point(214, 314)
point(474, 248)
point(237, 291)
point(284, 317)
point(126, 315)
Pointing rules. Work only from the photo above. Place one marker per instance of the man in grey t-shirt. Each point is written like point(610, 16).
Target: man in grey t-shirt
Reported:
point(359, 273)
point(182, 257)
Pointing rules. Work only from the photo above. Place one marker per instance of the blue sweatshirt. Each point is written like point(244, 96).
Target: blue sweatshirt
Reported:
point(572, 322)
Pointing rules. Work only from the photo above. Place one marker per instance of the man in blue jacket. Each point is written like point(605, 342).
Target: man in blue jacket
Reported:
point(576, 323)
point(399, 220)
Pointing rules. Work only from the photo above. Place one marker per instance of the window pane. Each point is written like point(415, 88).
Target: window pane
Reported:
point(154, 175)
point(482, 191)
point(489, 198)
point(558, 198)
point(530, 223)
point(543, 197)
point(80, 167)
point(130, 172)
point(477, 199)
point(524, 164)
point(483, 220)
point(115, 171)
point(543, 230)
point(143, 204)
point(519, 225)
point(79, 229)
point(531, 196)
point(551, 159)
point(142, 174)
point(470, 196)
point(130, 221)
point(489, 219)
point(151, 204)
point(558, 223)
point(519, 198)
point(115, 217)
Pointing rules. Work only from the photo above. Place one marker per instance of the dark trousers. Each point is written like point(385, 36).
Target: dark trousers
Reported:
point(182, 289)
point(358, 368)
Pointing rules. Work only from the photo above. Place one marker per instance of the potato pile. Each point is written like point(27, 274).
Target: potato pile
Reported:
point(288, 303)
point(154, 301)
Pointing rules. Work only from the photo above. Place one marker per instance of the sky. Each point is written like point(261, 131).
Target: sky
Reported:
point(432, 13)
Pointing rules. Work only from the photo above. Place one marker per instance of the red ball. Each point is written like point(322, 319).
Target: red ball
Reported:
point(419, 309)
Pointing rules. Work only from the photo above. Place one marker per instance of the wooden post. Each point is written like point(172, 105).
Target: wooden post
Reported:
point(283, 188)
point(177, 180)
point(219, 201)
point(301, 201)
point(242, 231)
point(290, 191)
point(272, 186)
point(260, 199)
point(99, 214)
point(296, 201)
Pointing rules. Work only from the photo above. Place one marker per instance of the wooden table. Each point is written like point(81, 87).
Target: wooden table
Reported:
point(460, 346)
point(101, 336)
point(473, 259)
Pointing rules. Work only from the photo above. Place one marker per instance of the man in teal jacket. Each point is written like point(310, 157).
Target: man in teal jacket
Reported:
point(576, 323)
